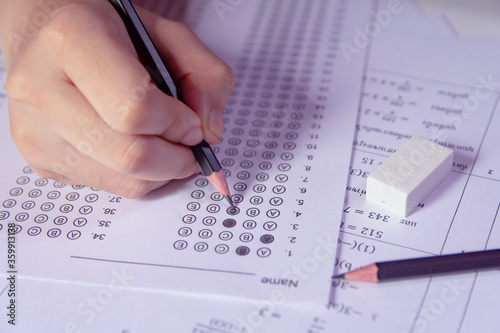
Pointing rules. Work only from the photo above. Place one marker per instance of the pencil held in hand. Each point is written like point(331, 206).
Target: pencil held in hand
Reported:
point(151, 60)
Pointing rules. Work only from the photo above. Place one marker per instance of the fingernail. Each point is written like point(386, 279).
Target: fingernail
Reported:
point(216, 123)
point(194, 136)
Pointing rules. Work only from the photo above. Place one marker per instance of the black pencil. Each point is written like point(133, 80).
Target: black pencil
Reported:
point(153, 63)
point(428, 266)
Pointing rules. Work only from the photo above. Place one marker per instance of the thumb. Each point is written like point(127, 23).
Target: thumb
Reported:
point(204, 79)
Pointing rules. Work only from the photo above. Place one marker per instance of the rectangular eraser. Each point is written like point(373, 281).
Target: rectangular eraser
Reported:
point(409, 175)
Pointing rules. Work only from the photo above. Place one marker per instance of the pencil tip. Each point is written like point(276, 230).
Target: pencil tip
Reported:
point(230, 200)
point(218, 179)
point(340, 276)
point(364, 274)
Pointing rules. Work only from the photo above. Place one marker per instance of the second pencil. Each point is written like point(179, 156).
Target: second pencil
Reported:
point(428, 266)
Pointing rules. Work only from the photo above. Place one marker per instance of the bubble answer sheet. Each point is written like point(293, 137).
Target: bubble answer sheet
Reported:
point(286, 152)
point(94, 262)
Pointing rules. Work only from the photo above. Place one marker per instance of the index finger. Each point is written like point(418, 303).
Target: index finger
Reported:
point(103, 64)
point(205, 80)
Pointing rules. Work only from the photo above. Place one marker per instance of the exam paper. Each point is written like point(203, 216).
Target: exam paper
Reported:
point(422, 79)
point(286, 122)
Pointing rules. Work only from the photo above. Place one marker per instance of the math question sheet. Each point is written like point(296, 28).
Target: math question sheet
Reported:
point(422, 79)
point(286, 153)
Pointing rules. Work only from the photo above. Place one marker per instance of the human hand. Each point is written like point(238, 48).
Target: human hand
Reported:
point(83, 110)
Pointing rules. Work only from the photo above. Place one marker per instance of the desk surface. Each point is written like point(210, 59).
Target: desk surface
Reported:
point(329, 82)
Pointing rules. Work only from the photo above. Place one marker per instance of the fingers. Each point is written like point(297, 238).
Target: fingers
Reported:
point(205, 80)
point(106, 70)
point(83, 156)
point(83, 109)
point(107, 180)
point(147, 157)
point(60, 131)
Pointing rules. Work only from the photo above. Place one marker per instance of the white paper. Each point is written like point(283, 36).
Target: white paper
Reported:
point(286, 125)
point(426, 81)
point(419, 79)
point(468, 18)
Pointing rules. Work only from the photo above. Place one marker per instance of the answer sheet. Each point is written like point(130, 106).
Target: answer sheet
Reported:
point(410, 85)
point(284, 151)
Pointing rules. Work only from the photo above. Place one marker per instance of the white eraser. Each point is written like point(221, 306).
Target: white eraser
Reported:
point(409, 175)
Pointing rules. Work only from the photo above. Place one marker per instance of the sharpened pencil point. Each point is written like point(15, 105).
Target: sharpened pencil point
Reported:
point(230, 200)
point(218, 179)
point(340, 276)
point(364, 274)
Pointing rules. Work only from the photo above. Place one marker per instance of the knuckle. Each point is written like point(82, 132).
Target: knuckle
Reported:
point(23, 139)
point(223, 74)
point(131, 156)
point(65, 23)
point(55, 32)
point(70, 19)
point(128, 114)
point(73, 14)
point(20, 85)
